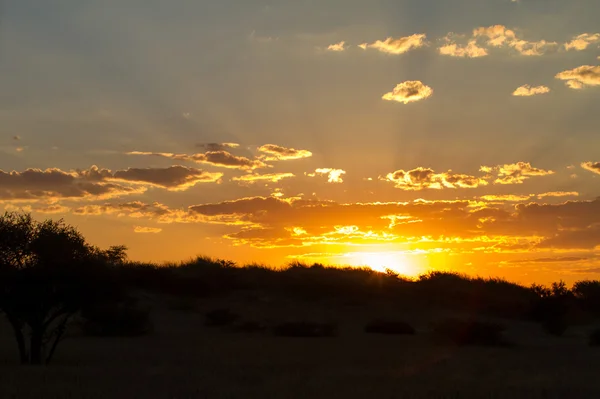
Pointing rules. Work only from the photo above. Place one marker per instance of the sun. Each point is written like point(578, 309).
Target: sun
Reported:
point(382, 261)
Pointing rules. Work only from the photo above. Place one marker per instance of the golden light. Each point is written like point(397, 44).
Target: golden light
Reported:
point(382, 261)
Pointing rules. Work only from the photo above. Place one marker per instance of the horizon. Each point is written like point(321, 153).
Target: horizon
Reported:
point(407, 135)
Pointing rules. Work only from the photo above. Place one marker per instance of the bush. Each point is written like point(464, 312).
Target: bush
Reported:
point(389, 327)
point(116, 320)
point(595, 337)
point(469, 332)
point(220, 318)
point(305, 329)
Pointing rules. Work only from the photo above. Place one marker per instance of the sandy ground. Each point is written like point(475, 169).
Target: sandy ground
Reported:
point(185, 359)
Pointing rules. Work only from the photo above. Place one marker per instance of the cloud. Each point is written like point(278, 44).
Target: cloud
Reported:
point(501, 36)
point(271, 177)
point(558, 194)
point(53, 183)
point(333, 175)
point(471, 50)
point(278, 153)
point(217, 146)
point(222, 159)
point(582, 41)
point(146, 230)
point(593, 167)
point(527, 91)
point(174, 178)
point(506, 198)
point(16, 138)
point(425, 178)
point(515, 173)
point(409, 91)
point(337, 47)
point(397, 46)
point(580, 77)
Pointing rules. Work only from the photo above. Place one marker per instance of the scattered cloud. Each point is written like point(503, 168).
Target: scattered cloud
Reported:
point(278, 153)
point(558, 194)
point(592, 167)
point(146, 229)
point(527, 90)
point(409, 91)
point(221, 159)
point(271, 177)
point(580, 77)
point(333, 175)
point(501, 36)
point(425, 178)
point(16, 138)
point(506, 198)
point(397, 46)
point(337, 47)
point(582, 41)
point(515, 173)
point(217, 146)
point(470, 50)
point(55, 184)
point(175, 178)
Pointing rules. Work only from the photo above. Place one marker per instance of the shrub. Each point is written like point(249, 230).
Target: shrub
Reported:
point(305, 329)
point(116, 320)
point(389, 327)
point(595, 337)
point(469, 332)
point(183, 304)
point(220, 317)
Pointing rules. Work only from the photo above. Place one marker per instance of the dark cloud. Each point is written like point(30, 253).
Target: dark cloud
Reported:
point(221, 159)
point(217, 146)
point(172, 178)
point(425, 178)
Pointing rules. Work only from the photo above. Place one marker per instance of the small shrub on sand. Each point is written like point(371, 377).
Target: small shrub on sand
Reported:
point(220, 318)
point(469, 332)
point(380, 326)
point(305, 329)
point(116, 320)
point(250, 327)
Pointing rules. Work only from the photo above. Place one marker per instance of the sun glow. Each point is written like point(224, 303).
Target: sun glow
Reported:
point(383, 261)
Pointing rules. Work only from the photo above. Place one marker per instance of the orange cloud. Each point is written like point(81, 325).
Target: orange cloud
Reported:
point(500, 35)
point(527, 91)
point(506, 197)
point(580, 77)
point(515, 173)
point(398, 46)
point(409, 91)
point(146, 230)
point(425, 178)
point(278, 153)
point(593, 167)
point(333, 175)
point(271, 177)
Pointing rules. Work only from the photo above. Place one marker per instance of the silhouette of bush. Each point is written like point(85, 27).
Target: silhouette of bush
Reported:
point(116, 320)
point(587, 293)
point(389, 327)
point(220, 318)
point(305, 329)
point(469, 332)
point(594, 338)
point(552, 308)
point(182, 304)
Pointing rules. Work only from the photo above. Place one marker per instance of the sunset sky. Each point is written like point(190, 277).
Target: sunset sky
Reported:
point(410, 134)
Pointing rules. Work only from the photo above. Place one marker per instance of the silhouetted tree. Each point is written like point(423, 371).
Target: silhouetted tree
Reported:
point(47, 274)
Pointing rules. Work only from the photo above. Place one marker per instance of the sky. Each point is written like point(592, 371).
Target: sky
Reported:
point(413, 135)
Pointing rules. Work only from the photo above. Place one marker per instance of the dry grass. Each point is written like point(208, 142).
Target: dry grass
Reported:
point(185, 359)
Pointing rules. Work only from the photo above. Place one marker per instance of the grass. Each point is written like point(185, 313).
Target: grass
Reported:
point(184, 358)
